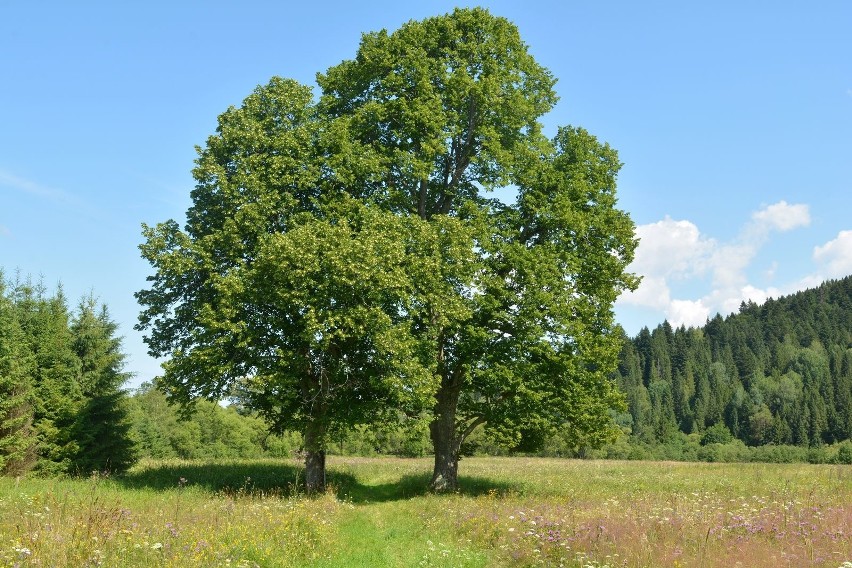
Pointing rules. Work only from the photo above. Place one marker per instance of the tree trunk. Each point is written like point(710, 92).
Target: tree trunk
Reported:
point(314, 458)
point(445, 441)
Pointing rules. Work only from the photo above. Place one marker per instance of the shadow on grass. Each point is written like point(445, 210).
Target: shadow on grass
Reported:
point(248, 477)
point(411, 486)
point(285, 479)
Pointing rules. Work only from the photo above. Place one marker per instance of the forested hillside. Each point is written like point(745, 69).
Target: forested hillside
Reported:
point(778, 373)
point(62, 404)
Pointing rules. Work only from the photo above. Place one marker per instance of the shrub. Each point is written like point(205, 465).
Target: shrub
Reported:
point(716, 434)
point(844, 452)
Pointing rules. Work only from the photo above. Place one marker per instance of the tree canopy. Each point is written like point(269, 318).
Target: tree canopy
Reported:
point(344, 258)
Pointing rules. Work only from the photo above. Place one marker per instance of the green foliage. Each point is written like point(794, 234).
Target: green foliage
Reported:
point(102, 427)
point(57, 391)
point(343, 262)
point(16, 406)
point(62, 409)
point(208, 431)
point(716, 434)
point(844, 452)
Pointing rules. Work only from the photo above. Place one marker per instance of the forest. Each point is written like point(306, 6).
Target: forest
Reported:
point(776, 374)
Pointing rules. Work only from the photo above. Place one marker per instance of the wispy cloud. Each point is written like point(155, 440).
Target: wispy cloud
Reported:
point(671, 250)
point(5, 232)
point(30, 187)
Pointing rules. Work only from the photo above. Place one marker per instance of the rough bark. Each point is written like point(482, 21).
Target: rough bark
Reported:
point(445, 440)
point(314, 459)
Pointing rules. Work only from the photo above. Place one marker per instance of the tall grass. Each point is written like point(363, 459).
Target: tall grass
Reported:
point(177, 520)
point(511, 512)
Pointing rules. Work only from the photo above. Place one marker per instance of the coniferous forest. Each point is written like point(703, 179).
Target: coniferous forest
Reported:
point(776, 374)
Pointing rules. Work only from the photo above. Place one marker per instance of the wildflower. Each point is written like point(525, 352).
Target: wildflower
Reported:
point(23, 551)
point(157, 546)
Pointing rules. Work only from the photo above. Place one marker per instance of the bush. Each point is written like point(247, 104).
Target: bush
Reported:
point(732, 452)
point(716, 434)
point(819, 455)
point(844, 452)
point(779, 454)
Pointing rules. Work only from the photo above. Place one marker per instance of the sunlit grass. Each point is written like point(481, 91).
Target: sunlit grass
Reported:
point(511, 512)
point(101, 522)
point(666, 514)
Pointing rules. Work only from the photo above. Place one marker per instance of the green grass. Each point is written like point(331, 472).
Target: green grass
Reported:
point(511, 512)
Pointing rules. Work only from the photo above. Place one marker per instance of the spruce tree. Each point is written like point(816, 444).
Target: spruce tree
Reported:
point(101, 430)
point(57, 396)
point(17, 440)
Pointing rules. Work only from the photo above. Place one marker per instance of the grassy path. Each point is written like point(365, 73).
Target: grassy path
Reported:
point(377, 535)
point(389, 524)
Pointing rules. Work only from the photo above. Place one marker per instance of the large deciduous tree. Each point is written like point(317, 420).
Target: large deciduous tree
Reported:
point(285, 287)
point(345, 259)
point(448, 109)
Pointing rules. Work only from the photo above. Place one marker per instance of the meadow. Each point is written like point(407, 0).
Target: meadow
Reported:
point(511, 512)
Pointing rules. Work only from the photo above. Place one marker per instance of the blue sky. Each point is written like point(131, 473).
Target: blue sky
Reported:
point(733, 120)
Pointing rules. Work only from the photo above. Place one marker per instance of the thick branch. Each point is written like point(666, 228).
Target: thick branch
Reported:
point(470, 428)
point(421, 198)
point(461, 155)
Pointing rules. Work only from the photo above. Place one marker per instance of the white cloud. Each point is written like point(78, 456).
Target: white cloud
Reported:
point(671, 250)
point(691, 313)
point(782, 216)
point(835, 256)
point(730, 262)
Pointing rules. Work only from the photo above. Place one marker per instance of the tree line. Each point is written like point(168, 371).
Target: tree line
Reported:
point(779, 373)
point(808, 334)
point(62, 404)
